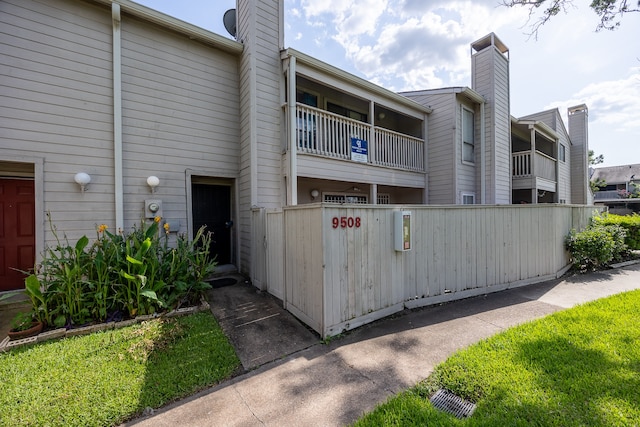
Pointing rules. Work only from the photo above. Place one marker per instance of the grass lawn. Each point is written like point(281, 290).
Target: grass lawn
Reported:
point(576, 367)
point(107, 377)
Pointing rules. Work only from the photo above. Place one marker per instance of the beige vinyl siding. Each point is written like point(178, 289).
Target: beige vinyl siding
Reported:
point(56, 104)
point(502, 130)
point(564, 173)
point(247, 104)
point(467, 178)
point(564, 168)
point(441, 146)
point(180, 111)
point(578, 131)
point(490, 77)
point(269, 114)
point(553, 119)
point(260, 99)
point(311, 166)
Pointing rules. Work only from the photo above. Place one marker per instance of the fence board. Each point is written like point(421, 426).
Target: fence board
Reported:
point(339, 278)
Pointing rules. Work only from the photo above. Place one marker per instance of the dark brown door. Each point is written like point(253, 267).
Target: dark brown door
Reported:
point(17, 231)
point(212, 208)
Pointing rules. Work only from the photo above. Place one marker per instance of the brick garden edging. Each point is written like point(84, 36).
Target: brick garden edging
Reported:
point(6, 344)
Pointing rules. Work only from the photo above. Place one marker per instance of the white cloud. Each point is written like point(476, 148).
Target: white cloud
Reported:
point(406, 44)
point(613, 103)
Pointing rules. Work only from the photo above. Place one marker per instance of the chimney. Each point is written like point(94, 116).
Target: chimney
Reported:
point(490, 78)
point(260, 29)
point(579, 136)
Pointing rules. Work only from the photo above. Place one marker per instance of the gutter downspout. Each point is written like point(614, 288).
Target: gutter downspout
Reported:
point(534, 191)
point(425, 150)
point(117, 117)
point(293, 149)
point(483, 158)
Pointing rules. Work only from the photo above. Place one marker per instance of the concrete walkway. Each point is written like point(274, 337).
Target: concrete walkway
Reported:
point(334, 384)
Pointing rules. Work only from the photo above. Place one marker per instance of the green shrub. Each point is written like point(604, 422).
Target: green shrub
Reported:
point(596, 246)
point(631, 224)
point(130, 273)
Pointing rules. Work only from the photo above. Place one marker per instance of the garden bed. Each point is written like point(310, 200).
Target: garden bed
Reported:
point(7, 344)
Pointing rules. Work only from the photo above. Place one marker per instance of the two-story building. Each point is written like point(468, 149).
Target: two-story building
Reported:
point(112, 113)
point(620, 192)
point(480, 154)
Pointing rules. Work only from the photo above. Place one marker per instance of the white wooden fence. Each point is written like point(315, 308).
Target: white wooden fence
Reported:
point(336, 278)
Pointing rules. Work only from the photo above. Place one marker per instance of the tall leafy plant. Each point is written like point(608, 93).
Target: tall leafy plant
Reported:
point(135, 273)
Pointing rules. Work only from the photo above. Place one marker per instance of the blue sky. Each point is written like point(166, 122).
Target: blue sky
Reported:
point(419, 44)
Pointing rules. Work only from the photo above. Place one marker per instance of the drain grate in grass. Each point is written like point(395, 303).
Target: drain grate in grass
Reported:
point(448, 402)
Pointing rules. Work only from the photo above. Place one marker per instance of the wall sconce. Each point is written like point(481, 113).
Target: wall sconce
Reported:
point(314, 193)
point(82, 179)
point(153, 181)
point(381, 116)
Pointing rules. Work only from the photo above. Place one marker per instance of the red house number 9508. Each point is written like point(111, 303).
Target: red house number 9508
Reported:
point(346, 222)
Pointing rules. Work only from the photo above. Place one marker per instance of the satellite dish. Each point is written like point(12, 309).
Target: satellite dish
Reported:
point(229, 21)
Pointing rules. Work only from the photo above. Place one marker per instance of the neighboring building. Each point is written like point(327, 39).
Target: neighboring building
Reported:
point(122, 92)
point(480, 154)
point(621, 194)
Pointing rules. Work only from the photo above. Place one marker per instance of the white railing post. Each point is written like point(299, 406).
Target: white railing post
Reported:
point(320, 132)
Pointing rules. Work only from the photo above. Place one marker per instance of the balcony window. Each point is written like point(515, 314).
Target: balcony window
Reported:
point(346, 112)
point(307, 98)
point(561, 153)
point(468, 140)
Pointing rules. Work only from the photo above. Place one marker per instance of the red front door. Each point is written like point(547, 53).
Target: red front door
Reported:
point(17, 231)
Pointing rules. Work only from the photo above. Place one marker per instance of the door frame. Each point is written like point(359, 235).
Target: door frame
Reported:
point(38, 186)
point(202, 177)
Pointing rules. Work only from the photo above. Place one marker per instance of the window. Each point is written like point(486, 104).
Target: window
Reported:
point(468, 199)
point(561, 153)
point(307, 98)
point(346, 112)
point(468, 141)
point(345, 198)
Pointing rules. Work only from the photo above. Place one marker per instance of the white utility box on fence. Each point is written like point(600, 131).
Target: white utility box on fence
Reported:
point(402, 230)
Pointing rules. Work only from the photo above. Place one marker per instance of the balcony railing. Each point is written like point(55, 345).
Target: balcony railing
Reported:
point(545, 166)
point(607, 195)
point(327, 134)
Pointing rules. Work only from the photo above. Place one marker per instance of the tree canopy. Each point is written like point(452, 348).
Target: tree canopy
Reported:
point(595, 160)
point(610, 12)
point(598, 183)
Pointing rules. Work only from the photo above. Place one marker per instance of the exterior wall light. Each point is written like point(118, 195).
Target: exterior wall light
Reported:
point(153, 181)
point(314, 193)
point(82, 179)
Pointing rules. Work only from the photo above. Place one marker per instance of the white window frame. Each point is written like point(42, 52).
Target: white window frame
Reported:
point(562, 153)
point(464, 143)
point(464, 195)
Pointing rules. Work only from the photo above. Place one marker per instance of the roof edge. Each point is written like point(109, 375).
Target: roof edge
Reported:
point(175, 24)
point(352, 79)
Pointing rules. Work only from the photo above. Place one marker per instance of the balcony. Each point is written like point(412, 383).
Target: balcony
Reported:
point(326, 134)
point(609, 195)
point(537, 171)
